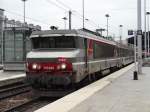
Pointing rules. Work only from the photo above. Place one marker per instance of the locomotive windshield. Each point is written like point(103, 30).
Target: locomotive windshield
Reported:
point(53, 42)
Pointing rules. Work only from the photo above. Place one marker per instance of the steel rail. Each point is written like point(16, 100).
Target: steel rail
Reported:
point(13, 91)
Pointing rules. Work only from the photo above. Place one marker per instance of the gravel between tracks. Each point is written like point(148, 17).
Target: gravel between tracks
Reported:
point(14, 101)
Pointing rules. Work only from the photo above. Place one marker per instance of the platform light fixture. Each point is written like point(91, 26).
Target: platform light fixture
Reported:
point(120, 29)
point(107, 16)
point(65, 19)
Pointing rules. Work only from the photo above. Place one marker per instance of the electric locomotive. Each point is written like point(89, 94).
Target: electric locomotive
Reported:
point(66, 57)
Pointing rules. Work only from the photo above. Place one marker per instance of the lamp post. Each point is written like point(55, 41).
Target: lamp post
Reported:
point(2, 19)
point(70, 20)
point(148, 13)
point(24, 37)
point(64, 18)
point(107, 16)
point(120, 27)
point(83, 11)
point(145, 39)
point(24, 7)
point(139, 36)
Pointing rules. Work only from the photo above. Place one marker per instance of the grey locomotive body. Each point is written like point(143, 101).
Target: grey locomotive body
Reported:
point(64, 57)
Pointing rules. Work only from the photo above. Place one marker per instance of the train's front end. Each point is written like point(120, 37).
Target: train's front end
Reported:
point(49, 64)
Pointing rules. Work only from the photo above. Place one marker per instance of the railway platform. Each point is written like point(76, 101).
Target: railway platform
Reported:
point(9, 77)
point(117, 92)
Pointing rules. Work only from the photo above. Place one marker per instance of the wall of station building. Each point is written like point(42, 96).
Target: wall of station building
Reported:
point(14, 42)
point(131, 40)
point(1, 32)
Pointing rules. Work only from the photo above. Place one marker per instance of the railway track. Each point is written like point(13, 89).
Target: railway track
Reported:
point(31, 105)
point(37, 102)
point(14, 89)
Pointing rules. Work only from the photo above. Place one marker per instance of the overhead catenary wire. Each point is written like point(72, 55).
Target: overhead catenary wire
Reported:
point(79, 16)
point(58, 6)
point(33, 19)
point(74, 12)
point(63, 4)
point(64, 7)
point(36, 20)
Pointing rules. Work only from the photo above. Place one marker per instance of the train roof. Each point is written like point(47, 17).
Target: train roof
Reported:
point(80, 33)
point(53, 32)
point(73, 32)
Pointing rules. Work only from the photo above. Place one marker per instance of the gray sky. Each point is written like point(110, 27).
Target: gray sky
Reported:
point(45, 13)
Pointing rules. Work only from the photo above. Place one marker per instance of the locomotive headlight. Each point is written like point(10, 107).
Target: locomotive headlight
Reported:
point(34, 66)
point(63, 66)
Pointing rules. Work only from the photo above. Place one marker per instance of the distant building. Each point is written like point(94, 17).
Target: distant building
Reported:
point(15, 43)
point(1, 31)
point(131, 41)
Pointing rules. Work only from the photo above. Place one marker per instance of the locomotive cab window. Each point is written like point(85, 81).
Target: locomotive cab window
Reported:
point(53, 42)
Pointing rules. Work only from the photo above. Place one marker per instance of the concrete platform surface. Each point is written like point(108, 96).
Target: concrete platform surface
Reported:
point(123, 95)
point(117, 92)
point(10, 77)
